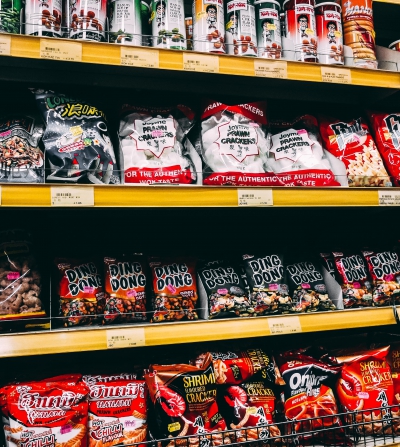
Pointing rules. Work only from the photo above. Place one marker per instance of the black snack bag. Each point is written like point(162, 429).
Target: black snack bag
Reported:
point(266, 277)
point(329, 263)
point(225, 291)
point(76, 140)
point(307, 288)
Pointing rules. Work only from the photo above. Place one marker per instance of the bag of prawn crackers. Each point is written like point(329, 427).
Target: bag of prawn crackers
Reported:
point(174, 289)
point(125, 290)
point(221, 285)
point(117, 413)
point(352, 143)
point(308, 396)
point(352, 275)
point(46, 414)
point(384, 269)
point(386, 130)
point(185, 400)
point(266, 277)
point(80, 292)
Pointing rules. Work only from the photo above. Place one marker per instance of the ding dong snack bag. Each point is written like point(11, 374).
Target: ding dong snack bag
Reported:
point(185, 400)
point(223, 286)
point(266, 277)
point(153, 145)
point(352, 275)
point(386, 130)
point(117, 413)
point(384, 269)
point(124, 286)
point(308, 395)
point(234, 144)
point(352, 143)
point(53, 415)
point(174, 289)
point(365, 383)
point(80, 292)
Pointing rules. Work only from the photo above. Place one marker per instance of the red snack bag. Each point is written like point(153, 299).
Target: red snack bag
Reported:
point(117, 413)
point(80, 291)
point(384, 269)
point(90, 379)
point(366, 382)
point(125, 290)
point(184, 398)
point(174, 289)
point(386, 130)
point(352, 143)
point(308, 395)
point(352, 275)
point(50, 415)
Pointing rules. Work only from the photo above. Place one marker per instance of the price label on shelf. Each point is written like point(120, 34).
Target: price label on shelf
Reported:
point(255, 197)
point(125, 338)
point(270, 69)
point(284, 325)
point(200, 62)
point(60, 50)
point(336, 75)
point(389, 198)
point(139, 57)
point(72, 196)
point(5, 45)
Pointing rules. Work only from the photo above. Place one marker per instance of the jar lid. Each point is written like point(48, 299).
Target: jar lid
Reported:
point(269, 1)
point(188, 18)
point(393, 43)
point(330, 4)
point(324, 2)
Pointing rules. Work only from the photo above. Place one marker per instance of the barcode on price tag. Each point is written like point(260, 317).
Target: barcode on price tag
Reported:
point(270, 69)
point(336, 75)
point(60, 50)
point(200, 62)
point(284, 325)
point(139, 57)
point(72, 196)
point(389, 198)
point(5, 45)
point(125, 338)
point(255, 197)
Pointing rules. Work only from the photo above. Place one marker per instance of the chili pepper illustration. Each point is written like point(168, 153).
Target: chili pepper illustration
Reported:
point(171, 402)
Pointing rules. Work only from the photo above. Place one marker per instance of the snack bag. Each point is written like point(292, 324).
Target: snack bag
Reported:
point(224, 290)
point(91, 379)
point(185, 401)
point(352, 143)
point(21, 159)
point(354, 280)
point(153, 145)
point(365, 383)
point(125, 294)
point(266, 277)
point(308, 396)
point(80, 291)
point(296, 155)
point(307, 288)
point(329, 263)
point(117, 413)
point(174, 289)
point(76, 140)
point(386, 130)
point(44, 414)
point(384, 269)
point(234, 144)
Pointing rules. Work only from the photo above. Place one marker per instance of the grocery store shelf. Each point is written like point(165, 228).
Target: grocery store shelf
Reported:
point(187, 332)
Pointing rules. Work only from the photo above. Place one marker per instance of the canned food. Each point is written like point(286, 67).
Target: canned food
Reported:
point(43, 18)
point(269, 41)
point(88, 19)
point(10, 21)
point(125, 22)
point(329, 31)
point(240, 28)
point(168, 24)
point(189, 32)
point(301, 28)
point(208, 26)
point(395, 45)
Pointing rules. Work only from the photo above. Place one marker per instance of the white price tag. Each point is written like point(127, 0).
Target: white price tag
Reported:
point(270, 69)
point(60, 50)
point(125, 338)
point(284, 325)
point(255, 197)
point(5, 45)
point(389, 198)
point(72, 196)
point(200, 62)
point(139, 57)
point(336, 75)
